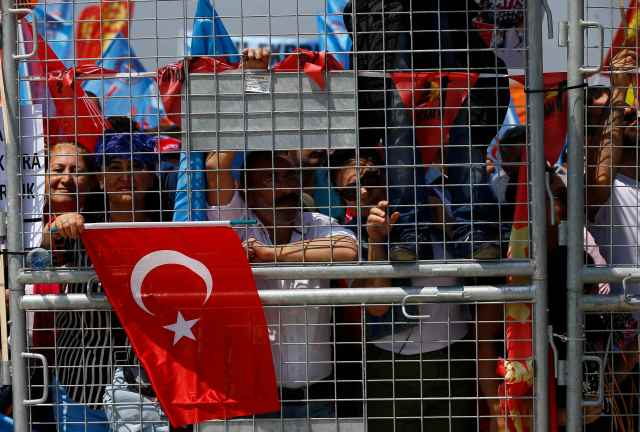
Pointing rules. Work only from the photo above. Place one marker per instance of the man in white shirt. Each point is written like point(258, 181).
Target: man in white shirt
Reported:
point(612, 174)
point(270, 192)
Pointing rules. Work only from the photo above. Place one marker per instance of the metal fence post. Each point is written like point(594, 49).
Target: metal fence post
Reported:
point(14, 218)
point(535, 100)
point(575, 328)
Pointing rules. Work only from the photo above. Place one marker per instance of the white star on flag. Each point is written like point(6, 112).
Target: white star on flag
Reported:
point(182, 328)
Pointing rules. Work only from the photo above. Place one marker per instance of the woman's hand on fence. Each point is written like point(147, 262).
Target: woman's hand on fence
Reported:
point(258, 251)
point(256, 58)
point(623, 66)
point(68, 226)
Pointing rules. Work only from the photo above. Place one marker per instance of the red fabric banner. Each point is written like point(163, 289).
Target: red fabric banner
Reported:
point(70, 115)
point(436, 98)
point(193, 317)
point(97, 25)
point(555, 134)
point(313, 63)
point(171, 77)
point(517, 367)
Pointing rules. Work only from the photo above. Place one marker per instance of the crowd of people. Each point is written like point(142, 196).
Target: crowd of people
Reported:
point(377, 203)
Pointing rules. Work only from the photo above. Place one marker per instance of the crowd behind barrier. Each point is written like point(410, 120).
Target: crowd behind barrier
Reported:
point(439, 175)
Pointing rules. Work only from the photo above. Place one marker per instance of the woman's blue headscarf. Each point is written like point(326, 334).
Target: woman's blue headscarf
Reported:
point(135, 146)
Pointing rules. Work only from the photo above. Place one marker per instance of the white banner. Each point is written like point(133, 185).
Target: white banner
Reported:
point(32, 170)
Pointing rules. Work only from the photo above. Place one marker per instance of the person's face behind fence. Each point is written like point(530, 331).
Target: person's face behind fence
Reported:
point(274, 194)
point(68, 181)
point(371, 183)
point(126, 184)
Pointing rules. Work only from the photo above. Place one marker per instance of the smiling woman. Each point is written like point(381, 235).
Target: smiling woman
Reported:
point(68, 179)
point(129, 180)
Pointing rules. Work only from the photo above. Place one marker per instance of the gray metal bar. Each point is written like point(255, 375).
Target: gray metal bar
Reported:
point(575, 328)
point(535, 115)
point(613, 303)
point(14, 219)
point(608, 274)
point(355, 271)
point(334, 296)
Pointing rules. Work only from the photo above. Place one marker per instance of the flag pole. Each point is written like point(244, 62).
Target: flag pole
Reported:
point(4, 345)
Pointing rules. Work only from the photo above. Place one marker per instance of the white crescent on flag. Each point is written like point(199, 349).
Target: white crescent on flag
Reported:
point(159, 258)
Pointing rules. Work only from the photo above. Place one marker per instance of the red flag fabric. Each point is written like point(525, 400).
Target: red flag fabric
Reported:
point(517, 367)
point(97, 25)
point(555, 113)
point(436, 98)
point(313, 63)
point(192, 315)
point(70, 115)
point(171, 77)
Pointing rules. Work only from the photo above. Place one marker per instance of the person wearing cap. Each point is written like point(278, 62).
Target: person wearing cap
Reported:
point(270, 193)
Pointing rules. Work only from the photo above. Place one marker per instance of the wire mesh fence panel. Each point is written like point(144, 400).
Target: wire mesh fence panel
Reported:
point(421, 107)
point(355, 144)
point(605, 162)
point(350, 367)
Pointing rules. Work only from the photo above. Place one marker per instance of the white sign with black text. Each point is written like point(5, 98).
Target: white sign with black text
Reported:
point(32, 170)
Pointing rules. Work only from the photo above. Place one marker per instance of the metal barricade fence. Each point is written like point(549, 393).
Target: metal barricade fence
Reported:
point(602, 331)
point(419, 157)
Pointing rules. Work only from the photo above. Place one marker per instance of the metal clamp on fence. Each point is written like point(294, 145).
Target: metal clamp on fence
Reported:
point(45, 379)
point(630, 298)
point(92, 286)
point(600, 399)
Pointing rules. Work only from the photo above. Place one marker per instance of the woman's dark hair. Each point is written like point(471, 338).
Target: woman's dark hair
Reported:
point(341, 158)
point(140, 148)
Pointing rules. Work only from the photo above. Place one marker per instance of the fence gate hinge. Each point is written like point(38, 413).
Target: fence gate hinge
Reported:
point(562, 233)
point(5, 372)
point(563, 33)
point(3, 224)
point(562, 372)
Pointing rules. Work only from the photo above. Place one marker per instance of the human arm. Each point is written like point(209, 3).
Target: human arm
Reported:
point(378, 228)
point(327, 249)
point(605, 152)
point(220, 183)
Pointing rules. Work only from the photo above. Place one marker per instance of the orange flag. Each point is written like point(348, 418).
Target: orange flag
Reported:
point(97, 25)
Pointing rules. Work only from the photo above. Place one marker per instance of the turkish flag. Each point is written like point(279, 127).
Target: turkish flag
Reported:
point(187, 300)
